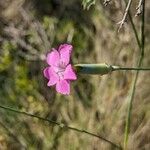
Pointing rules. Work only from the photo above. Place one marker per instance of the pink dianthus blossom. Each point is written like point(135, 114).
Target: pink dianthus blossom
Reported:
point(60, 71)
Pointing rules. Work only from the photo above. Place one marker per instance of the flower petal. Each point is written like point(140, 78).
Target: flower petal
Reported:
point(53, 57)
point(63, 87)
point(65, 52)
point(69, 73)
point(45, 72)
point(54, 78)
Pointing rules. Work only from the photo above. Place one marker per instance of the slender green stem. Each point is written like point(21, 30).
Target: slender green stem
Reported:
point(116, 68)
point(133, 27)
point(128, 121)
point(61, 125)
point(134, 30)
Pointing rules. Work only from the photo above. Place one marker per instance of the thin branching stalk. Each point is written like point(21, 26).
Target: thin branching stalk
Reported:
point(125, 15)
point(61, 125)
point(134, 30)
point(128, 121)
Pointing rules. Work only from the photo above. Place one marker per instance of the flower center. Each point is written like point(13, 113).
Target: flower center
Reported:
point(60, 69)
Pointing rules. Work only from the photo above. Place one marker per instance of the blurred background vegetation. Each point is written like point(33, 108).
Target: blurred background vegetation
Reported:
point(28, 30)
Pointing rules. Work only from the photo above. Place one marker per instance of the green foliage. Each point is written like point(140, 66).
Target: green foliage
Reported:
point(5, 57)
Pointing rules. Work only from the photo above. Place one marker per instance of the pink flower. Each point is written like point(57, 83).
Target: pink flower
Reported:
point(60, 71)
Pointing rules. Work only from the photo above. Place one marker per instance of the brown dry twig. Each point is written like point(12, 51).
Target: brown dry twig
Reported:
point(139, 8)
point(106, 2)
point(124, 19)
